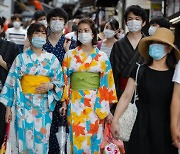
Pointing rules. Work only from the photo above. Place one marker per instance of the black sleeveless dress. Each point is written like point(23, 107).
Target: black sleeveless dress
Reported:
point(151, 131)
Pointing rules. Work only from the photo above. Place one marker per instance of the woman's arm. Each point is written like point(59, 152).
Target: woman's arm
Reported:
point(122, 105)
point(175, 115)
point(3, 63)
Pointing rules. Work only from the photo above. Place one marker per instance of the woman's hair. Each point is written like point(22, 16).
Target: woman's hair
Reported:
point(93, 28)
point(38, 14)
point(57, 12)
point(36, 27)
point(171, 60)
point(16, 16)
point(136, 10)
point(114, 24)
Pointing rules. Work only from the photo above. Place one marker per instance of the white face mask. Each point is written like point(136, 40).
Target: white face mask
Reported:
point(56, 25)
point(120, 35)
point(109, 33)
point(85, 38)
point(134, 25)
point(152, 30)
point(44, 22)
point(17, 24)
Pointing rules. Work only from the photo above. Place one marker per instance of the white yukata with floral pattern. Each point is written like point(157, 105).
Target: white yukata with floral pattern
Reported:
point(33, 111)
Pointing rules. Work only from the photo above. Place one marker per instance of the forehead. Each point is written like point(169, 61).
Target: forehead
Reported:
point(57, 17)
point(42, 18)
point(84, 26)
point(76, 20)
point(108, 24)
point(18, 19)
point(132, 15)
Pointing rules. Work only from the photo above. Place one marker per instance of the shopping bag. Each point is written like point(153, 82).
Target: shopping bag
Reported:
point(110, 145)
point(6, 146)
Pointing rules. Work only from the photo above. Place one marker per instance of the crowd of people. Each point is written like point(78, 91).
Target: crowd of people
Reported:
point(81, 79)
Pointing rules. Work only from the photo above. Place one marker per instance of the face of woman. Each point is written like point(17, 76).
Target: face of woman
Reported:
point(159, 50)
point(85, 34)
point(38, 38)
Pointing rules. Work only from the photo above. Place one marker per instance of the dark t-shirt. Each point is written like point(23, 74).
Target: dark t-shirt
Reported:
point(151, 132)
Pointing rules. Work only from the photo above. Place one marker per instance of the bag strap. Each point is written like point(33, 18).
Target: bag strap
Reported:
point(139, 73)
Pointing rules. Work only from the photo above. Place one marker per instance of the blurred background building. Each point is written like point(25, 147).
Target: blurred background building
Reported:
point(99, 10)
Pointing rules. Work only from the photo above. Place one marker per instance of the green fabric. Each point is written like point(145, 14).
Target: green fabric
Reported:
point(84, 81)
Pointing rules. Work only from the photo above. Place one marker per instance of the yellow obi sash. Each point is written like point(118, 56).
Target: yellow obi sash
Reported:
point(85, 80)
point(29, 83)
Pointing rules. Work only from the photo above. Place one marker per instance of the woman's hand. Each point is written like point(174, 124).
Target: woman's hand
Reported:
point(175, 133)
point(8, 116)
point(109, 118)
point(63, 109)
point(44, 87)
point(115, 130)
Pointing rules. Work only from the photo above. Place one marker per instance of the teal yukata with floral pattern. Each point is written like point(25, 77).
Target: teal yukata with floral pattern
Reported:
point(33, 111)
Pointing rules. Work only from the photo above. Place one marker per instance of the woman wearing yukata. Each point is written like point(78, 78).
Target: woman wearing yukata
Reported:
point(89, 90)
point(33, 86)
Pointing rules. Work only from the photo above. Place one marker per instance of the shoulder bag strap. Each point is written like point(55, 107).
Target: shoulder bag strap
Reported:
point(139, 73)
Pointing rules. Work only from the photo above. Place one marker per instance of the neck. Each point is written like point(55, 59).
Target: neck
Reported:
point(159, 64)
point(55, 35)
point(110, 40)
point(135, 35)
point(37, 51)
point(87, 47)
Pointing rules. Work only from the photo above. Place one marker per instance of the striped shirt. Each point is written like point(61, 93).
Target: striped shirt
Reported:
point(17, 36)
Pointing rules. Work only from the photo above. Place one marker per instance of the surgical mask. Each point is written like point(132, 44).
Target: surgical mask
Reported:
point(134, 25)
point(85, 38)
point(109, 33)
point(38, 42)
point(56, 25)
point(152, 30)
point(120, 35)
point(156, 51)
point(17, 24)
point(44, 22)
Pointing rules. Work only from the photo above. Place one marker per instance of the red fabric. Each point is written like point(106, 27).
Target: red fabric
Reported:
point(37, 4)
point(123, 82)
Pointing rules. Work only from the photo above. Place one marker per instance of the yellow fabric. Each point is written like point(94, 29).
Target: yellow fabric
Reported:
point(29, 83)
point(3, 150)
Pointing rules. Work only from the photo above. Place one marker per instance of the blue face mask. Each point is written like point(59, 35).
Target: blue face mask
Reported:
point(156, 51)
point(38, 42)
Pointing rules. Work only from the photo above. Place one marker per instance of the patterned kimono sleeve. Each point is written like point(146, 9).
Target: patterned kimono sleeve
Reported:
point(9, 91)
point(106, 93)
point(65, 66)
point(58, 80)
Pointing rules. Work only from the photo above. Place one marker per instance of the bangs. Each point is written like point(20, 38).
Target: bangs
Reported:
point(36, 27)
point(40, 29)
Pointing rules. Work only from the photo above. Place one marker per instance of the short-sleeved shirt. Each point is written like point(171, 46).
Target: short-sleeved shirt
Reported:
point(176, 77)
point(58, 49)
